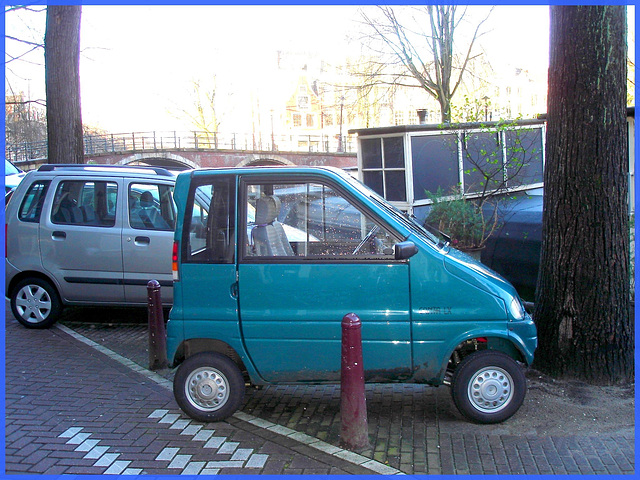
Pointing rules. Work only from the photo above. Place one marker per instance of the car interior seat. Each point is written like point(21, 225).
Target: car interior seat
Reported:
point(269, 237)
point(150, 214)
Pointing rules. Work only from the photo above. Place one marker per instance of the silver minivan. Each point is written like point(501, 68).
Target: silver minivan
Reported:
point(87, 235)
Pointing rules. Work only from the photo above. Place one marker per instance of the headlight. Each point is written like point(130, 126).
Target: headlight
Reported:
point(515, 309)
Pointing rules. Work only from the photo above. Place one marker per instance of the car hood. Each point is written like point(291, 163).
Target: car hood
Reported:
point(472, 271)
point(12, 181)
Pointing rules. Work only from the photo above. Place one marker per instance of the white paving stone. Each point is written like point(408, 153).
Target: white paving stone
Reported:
point(193, 468)
point(96, 452)
point(228, 447)
point(203, 435)
point(241, 454)
point(78, 438)
point(117, 467)
point(106, 459)
point(70, 432)
point(215, 442)
point(167, 453)
point(87, 445)
point(257, 460)
point(158, 413)
point(180, 461)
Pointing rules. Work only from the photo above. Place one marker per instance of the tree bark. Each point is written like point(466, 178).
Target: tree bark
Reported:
point(583, 309)
point(62, 76)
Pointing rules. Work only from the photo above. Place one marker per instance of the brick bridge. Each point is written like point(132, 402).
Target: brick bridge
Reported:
point(177, 150)
point(180, 159)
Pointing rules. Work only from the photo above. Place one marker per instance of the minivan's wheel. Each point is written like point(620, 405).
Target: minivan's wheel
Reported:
point(488, 387)
point(35, 303)
point(209, 387)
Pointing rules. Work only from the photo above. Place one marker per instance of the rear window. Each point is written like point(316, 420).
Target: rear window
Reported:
point(32, 202)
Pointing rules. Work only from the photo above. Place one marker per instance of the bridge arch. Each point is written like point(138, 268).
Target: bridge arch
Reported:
point(259, 160)
point(159, 159)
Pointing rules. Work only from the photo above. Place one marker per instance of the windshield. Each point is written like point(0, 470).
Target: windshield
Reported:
point(9, 168)
point(436, 237)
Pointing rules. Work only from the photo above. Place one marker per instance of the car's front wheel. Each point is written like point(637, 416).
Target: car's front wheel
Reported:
point(35, 303)
point(208, 387)
point(488, 387)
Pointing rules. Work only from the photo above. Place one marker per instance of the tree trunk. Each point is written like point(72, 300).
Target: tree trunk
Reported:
point(62, 75)
point(583, 312)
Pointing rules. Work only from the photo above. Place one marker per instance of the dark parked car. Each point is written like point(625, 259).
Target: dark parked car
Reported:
point(514, 249)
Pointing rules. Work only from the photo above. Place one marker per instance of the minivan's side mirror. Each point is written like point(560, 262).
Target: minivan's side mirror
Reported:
point(405, 250)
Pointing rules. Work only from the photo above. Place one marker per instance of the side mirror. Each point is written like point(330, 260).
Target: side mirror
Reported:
point(405, 250)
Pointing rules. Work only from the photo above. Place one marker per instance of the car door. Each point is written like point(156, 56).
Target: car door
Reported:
point(80, 238)
point(207, 282)
point(147, 237)
point(339, 259)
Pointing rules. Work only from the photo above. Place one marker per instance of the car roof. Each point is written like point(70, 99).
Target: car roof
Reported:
point(104, 170)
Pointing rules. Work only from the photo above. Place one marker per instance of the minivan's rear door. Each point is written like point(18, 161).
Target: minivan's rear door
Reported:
point(324, 256)
point(147, 237)
point(80, 239)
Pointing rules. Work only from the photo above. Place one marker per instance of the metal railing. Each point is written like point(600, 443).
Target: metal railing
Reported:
point(157, 141)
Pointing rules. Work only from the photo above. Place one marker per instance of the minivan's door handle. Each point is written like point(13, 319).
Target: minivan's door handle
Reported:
point(234, 290)
point(142, 240)
point(58, 235)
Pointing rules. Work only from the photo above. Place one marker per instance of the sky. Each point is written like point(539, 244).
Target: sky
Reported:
point(138, 62)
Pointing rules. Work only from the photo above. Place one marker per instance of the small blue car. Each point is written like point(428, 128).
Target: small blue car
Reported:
point(268, 260)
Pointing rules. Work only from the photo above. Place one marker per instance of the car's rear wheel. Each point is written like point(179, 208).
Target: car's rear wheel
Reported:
point(35, 303)
point(209, 387)
point(488, 387)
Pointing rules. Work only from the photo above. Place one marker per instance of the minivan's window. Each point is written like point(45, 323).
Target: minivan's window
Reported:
point(311, 220)
point(85, 202)
point(210, 224)
point(151, 207)
point(32, 203)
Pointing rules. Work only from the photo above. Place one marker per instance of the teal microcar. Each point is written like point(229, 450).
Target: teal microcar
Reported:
point(268, 260)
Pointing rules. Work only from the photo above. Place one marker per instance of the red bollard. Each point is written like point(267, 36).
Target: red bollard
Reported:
point(157, 332)
point(354, 431)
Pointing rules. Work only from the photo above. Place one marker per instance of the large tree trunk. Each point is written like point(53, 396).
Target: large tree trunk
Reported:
point(62, 60)
point(582, 308)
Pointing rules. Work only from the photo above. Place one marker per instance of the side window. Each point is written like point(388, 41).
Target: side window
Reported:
point(151, 207)
point(313, 221)
point(209, 224)
point(85, 202)
point(32, 203)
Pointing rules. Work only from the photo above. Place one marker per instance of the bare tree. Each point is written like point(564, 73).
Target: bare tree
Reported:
point(420, 52)
point(583, 314)
point(62, 76)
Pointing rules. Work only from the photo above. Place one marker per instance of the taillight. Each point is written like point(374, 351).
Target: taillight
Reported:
point(174, 262)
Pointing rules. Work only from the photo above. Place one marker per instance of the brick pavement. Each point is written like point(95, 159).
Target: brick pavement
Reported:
point(412, 428)
point(69, 409)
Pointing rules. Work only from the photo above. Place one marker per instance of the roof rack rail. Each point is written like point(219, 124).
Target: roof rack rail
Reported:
point(49, 167)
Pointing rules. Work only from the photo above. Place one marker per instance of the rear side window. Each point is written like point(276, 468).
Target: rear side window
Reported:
point(209, 225)
point(32, 203)
point(85, 202)
point(151, 207)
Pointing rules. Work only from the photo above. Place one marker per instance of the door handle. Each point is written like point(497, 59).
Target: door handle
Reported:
point(58, 235)
point(234, 290)
point(142, 240)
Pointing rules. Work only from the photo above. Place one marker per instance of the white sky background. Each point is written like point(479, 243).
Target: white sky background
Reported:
point(138, 62)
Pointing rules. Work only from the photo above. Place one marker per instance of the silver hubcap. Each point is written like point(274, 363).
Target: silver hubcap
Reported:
point(490, 389)
point(33, 303)
point(207, 389)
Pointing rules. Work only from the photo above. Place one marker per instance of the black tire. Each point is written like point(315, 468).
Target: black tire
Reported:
point(209, 387)
point(488, 387)
point(35, 303)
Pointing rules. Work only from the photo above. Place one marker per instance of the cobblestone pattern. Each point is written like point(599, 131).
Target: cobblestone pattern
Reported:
point(69, 409)
point(409, 427)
